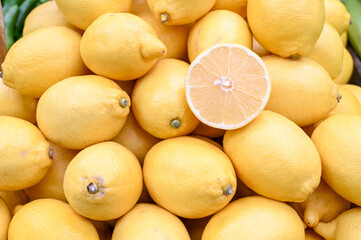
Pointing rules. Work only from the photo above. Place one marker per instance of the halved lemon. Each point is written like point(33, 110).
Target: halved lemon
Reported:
point(227, 86)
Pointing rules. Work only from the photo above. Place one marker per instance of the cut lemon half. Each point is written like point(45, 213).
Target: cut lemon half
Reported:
point(227, 86)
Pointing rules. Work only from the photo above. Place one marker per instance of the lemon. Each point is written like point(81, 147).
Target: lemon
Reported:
point(348, 104)
point(174, 37)
point(45, 219)
point(56, 47)
point(354, 89)
point(283, 27)
point(120, 46)
point(207, 131)
point(181, 11)
point(51, 186)
point(237, 6)
point(218, 26)
point(347, 68)
point(314, 94)
point(321, 52)
point(45, 15)
point(345, 226)
point(159, 100)
point(337, 15)
point(337, 141)
point(92, 109)
point(149, 221)
point(344, 38)
point(189, 177)
point(258, 49)
point(103, 182)
point(5, 218)
point(82, 13)
point(24, 154)
point(311, 235)
point(13, 198)
point(255, 218)
point(274, 158)
point(135, 138)
point(16, 105)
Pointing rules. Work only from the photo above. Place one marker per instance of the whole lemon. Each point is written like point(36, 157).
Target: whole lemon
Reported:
point(120, 46)
point(274, 157)
point(24, 154)
point(337, 15)
point(237, 6)
point(286, 27)
point(41, 59)
point(83, 110)
point(347, 68)
point(354, 89)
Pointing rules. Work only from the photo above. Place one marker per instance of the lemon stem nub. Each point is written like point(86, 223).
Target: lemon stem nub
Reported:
point(175, 123)
point(228, 190)
point(123, 102)
point(51, 153)
point(164, 17)
point(1, 74)
point(92, 188)
point(295, 56)
point(339, 97)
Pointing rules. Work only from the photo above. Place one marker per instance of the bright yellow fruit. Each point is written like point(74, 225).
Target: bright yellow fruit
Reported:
point(51, 186)
point(189, 177)
point(46, 219)
point(135, 138)
point(337, 141)
point(56, 48)
point(103, 229)
point(311, 235)
point(24, 154)
point(283, 27)
point(45, 15)
point(174, 37)
point(206, 131)
point(322, 205)
point(103, 182)
point(345, 226)
point(81, 13)
point(13, 104)
point(159, 100)
point(237, 6)
point(181, 11)
point(344, 38)
point(149, 221)
point(302, 90)
point(120, 46)
point(274, 158)
point(14, 198)
point(255, 218)
point(354, 89)
point(218, 26)
point(347, 68)
point(337, 15)
point(83, 110)
point(258, 49)
point(328, 51)
point(5, 218)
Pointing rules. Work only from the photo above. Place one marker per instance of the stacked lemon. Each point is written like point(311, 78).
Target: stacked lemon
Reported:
point(203, 119)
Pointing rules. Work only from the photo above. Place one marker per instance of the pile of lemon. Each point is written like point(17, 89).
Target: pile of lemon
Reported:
point(109, 112)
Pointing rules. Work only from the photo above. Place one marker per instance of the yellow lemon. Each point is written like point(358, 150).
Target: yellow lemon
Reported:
point(81, 13)
point(5, 218)
point(149, 221)
point(45, 15)
point(174, 37)
point(24, 154)
point(218, 26)
point(56, 48)
point(345, 226)
point(46, 219)
point(159, 100)
point(314, 94)
point(181, 11)
point(237, 6)
point(120, 46)
point(196, 227)
point(344, 38)
point(274, 158)
point(354, 89)
point(13, 104)
point(255, 218)
point(258, 49)
point(322, 205)
point(14, 198)
point(337, 15)
point(337, 141)
point(92, 109)
point(51, 186)
point(311, 235)
point(135, 138)
point(347, 68)
point(207, 131)
point(328, 51)
point(283, 28)
point(189, 177)
point(103, 181)
point(348, 103)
